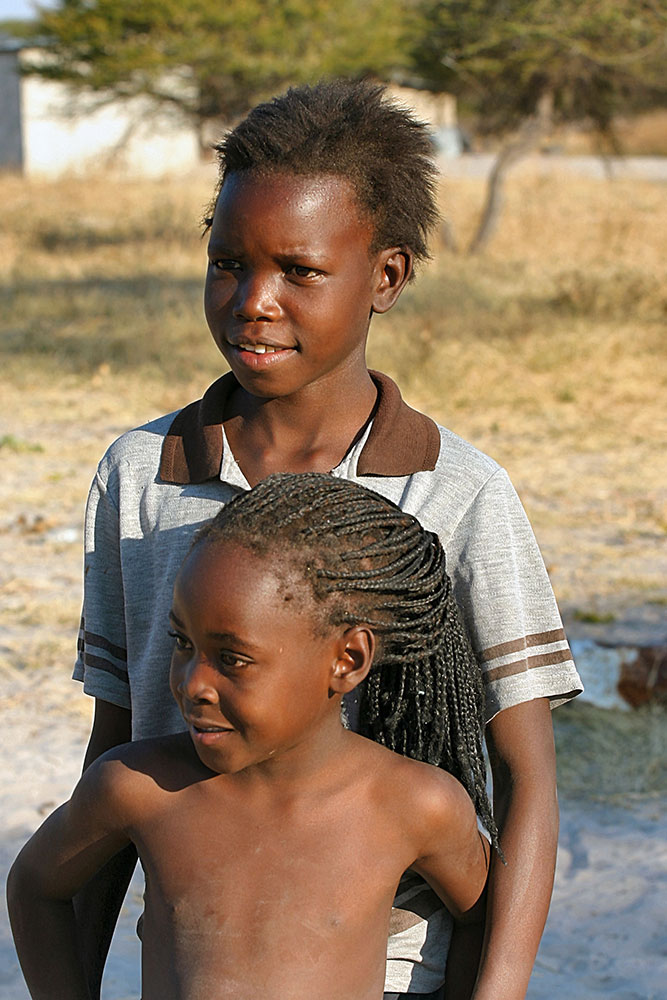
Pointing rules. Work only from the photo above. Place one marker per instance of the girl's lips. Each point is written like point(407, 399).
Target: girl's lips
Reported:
point(207, 737)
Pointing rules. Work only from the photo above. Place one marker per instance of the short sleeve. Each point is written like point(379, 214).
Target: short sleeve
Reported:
point(102, 646)
point(506, 599)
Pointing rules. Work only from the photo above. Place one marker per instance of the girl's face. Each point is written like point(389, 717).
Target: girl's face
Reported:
point(250, 669)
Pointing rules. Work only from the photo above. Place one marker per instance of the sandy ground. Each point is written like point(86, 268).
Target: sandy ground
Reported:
point(604, 937)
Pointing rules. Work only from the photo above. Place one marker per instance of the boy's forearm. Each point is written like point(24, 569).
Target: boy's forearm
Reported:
point(519, 892)
point(46, 941)
point(519, 897)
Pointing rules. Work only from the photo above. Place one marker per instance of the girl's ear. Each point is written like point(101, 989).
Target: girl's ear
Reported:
point(355, 656)
point(394, 270)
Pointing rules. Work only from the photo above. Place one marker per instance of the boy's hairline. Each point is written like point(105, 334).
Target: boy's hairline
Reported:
point(263, 171)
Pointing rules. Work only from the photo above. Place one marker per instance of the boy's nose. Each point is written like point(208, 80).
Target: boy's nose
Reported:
point(256, 299)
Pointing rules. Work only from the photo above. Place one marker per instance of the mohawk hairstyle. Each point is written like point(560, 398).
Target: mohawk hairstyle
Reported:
point(367, 561)
point(352, 130)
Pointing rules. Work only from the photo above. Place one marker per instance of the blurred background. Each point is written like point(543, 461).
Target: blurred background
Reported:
point(537, 331)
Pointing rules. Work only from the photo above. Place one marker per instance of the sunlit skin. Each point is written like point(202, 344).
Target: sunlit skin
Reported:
point(290, 289)
point(272, 839)
point(238, 665)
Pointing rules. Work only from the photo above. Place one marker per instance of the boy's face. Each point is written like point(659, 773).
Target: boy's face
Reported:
point(248, 671)
point(290, 284)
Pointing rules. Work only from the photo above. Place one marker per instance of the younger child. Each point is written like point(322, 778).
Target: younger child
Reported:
point(273, 839)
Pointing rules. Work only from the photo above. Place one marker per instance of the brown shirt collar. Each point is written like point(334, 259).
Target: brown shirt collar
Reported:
point(401, 440)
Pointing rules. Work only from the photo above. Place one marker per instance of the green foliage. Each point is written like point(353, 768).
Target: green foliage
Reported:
point(590, 59)
point(212, 59)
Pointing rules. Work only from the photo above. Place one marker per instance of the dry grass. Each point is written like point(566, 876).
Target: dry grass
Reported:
point(640, 135)
point(548, 352)
point(610, 755)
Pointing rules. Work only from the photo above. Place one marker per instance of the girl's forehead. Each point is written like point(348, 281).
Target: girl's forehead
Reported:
point(228, 563)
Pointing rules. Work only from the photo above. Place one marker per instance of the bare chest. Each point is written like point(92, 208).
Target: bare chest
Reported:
point(281, 901)
point(257, 866)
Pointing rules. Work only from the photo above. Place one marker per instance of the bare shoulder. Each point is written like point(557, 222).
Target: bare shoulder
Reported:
point(128, 778)
point(436, 796)
point(413, 788)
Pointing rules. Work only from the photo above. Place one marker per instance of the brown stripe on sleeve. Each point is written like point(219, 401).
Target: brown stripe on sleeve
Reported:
point(527, 663)
point(537, 639)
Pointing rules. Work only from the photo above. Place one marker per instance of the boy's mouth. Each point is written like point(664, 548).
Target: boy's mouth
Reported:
point(257, 357)
point(260, 348)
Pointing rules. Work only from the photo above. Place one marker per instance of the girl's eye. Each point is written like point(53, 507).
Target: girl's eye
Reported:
point(232, 661)
point(179, 640)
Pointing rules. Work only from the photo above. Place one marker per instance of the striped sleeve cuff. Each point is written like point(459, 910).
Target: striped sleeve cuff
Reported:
point(102, 666)
point(535, 666)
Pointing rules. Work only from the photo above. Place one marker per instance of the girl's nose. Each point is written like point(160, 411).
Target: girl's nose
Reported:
point(196, 683)
point(256, 299)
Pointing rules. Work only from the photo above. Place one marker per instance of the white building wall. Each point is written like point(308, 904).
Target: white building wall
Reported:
point(61, 134)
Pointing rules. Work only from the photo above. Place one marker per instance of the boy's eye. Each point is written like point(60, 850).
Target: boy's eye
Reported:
point(302, 271)
point(180, 641)
point(225, 264)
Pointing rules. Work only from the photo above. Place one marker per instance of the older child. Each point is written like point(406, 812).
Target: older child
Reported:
point(325, 200)
point(273, 839)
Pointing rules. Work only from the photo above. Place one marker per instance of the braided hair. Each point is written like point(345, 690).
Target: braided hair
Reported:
point(369, 562)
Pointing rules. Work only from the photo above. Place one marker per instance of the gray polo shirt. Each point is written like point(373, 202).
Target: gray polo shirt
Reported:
point(157, 484)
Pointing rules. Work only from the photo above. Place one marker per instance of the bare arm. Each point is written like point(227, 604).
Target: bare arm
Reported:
point(62, 855)
point(454, 859)
point(98, 904)
point(112, 726)
point(523, 761)
point(455, 864)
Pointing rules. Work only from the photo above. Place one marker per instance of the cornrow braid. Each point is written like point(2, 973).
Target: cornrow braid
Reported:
point(367, 561)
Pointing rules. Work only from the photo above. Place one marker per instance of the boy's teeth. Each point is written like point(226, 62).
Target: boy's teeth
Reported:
point(258, 348)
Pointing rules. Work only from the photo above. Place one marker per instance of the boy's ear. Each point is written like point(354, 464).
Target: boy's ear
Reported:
point(394, 270)
point(355, 656)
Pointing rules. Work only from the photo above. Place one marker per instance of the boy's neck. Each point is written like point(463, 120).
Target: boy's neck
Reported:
point(309, 431)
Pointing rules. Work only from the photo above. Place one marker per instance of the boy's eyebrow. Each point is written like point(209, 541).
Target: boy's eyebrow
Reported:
point(219, 249)
point(175, 620)
point(314, 253)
